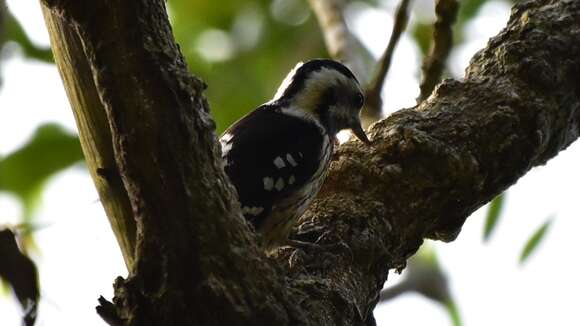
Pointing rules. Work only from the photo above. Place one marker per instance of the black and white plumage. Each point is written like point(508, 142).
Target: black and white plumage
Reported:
point(277, 156)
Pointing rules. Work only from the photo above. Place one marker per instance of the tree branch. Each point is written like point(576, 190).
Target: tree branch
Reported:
point(428, 169)
point(373, 100)
point(432, 166)
point(340, 42)
point(434, 63)
point(191, 244)
point(93, 128)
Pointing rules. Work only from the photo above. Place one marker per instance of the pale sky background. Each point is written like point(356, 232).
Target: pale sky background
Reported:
point(79, 258)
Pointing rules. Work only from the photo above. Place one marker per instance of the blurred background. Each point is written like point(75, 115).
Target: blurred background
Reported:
point(513, 263)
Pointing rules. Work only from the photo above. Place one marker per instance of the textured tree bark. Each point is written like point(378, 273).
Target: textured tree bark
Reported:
point(429, 167)
point(433, 165)
point(93, 129)
point(193, 253)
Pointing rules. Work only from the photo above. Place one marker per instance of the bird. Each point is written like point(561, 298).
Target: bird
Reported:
point(277, 156)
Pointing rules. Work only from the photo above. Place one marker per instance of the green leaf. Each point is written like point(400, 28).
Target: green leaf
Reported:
point(493, 214)
point(453, 312)
point(468, 10)
point(425, 276)
point(256, 65)
point(24, 171)
point(15, 32)
point(535, 240)
point(423, 34)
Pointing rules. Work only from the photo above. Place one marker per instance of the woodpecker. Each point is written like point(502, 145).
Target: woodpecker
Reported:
point(278, 155)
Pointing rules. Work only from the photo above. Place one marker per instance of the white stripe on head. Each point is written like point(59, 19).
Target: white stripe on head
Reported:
point(327, 76)
point(286, 82)
point(318, 82)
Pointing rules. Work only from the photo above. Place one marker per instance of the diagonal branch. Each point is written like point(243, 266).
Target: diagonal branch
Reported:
point(428, 169)
point(434, 63)
point(94, 132)
point(340, 42)
point(191, 243)
point(373, 100)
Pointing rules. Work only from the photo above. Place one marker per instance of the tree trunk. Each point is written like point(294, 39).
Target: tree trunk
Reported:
point(151, 148)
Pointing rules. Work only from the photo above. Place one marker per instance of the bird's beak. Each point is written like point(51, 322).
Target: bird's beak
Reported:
point(360, 133)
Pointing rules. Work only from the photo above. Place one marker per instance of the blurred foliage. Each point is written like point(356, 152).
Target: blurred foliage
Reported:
point(423, 34)
point(13, 32)
point(24, 171)
point(493, 213)
point(468, 11)
point(242, 49)
point(3, 10)
point(255, 45)
point(20, 272)
point(424, 275)
point(454, 314)
point(422, 30)
point(535, 240)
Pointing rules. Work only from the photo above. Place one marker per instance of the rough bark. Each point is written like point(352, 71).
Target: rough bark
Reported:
point(433, 165)
point(193, 253)
point(93, 128)
point(428, 169)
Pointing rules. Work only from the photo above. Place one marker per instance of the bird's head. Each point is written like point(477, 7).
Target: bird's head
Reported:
point(326, 91)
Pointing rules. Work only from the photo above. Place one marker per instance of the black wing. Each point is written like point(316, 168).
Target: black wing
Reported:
point(269, 155)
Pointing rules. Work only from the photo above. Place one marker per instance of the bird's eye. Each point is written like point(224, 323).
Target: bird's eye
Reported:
point(359, 100)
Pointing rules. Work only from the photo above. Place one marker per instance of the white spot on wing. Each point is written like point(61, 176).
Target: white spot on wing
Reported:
point(226, 148)
point(226, 142)
point(279, 162)
point(226, 137)
point(291, 160)
point(268, 183)
point(343, 136)
point(291, 180)
point(279, 184)
point(252, 210)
